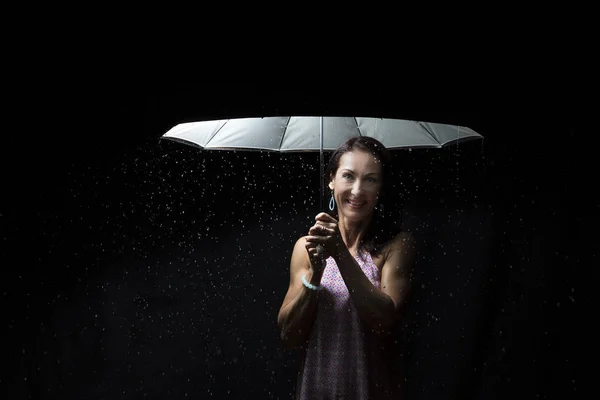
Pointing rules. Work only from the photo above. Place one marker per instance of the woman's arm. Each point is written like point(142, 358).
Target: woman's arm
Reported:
point(379, 308)
point(298, 310)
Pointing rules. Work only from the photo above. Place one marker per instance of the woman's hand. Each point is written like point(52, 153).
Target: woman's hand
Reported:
point(325, 232)
point(317, 256)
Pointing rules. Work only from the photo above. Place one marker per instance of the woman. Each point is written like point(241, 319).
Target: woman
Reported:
point(349, 280)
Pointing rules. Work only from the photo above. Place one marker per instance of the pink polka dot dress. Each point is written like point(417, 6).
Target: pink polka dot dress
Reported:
point(343, 359)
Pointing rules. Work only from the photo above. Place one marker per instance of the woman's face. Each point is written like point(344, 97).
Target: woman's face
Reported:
point(357, 184)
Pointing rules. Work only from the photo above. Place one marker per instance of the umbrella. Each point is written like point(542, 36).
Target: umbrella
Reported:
point(309, 133)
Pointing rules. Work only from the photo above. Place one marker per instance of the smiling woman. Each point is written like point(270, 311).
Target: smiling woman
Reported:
point(349, 281)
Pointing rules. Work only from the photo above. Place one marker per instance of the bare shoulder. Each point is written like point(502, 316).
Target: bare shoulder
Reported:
point(300, 244)
point(404, 243)
point(301, 240)
point(404, 238)
point(299, 254)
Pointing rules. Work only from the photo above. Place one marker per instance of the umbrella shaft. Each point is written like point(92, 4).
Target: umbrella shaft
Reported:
point(322, 165)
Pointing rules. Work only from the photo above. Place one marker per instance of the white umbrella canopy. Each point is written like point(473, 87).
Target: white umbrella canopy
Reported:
point(309, 133)
point(299, 134)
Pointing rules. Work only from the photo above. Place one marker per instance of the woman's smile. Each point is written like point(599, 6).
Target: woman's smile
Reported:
point(355, 204)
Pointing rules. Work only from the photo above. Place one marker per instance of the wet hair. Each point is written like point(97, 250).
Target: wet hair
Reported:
point(383, 226)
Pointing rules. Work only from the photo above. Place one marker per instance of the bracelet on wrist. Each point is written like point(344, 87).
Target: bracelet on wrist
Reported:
point(309, 285)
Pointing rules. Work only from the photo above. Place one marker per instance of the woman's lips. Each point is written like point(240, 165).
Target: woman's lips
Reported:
point(355, 204)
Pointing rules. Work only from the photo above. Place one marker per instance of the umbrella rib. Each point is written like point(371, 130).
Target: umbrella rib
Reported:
point(215, 134)
point(359, 132)
point(429, 132)
point(282, 136)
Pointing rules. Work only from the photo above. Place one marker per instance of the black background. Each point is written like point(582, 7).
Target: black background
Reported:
point(140, 268)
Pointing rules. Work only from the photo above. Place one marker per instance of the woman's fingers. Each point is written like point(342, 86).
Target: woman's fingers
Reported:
point(316, 230)
point(315, 239)
point(320, 228)
point(316, 251)
point(319, 233)
point(312, 249)
point(310, 244)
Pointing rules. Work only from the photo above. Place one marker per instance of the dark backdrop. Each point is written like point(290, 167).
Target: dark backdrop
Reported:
point(136, 268)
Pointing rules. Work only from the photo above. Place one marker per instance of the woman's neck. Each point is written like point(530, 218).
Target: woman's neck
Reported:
point(352, 232)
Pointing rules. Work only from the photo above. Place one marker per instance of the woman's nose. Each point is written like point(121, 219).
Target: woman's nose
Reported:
point(356, 188)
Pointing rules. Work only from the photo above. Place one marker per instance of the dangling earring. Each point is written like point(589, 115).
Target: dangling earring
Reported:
point(331, 203)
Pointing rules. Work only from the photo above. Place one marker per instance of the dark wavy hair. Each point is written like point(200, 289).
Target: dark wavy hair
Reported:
point(383, 226)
